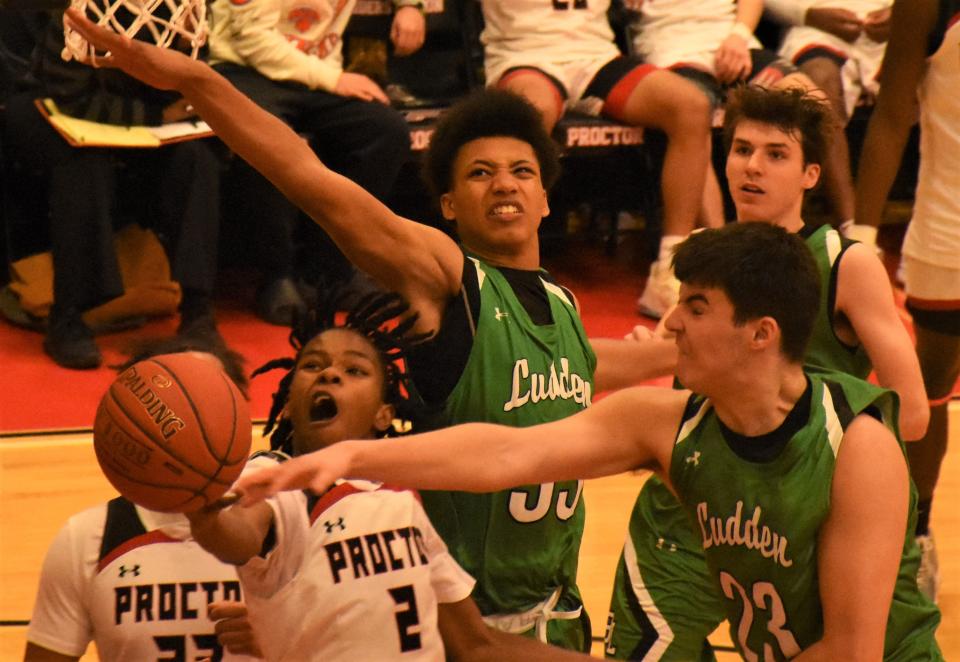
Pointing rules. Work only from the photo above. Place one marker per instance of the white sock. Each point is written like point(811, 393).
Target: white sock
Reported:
point(667, 244)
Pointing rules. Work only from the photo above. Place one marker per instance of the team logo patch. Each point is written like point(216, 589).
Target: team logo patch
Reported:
point(135, 571)
point(338, 524)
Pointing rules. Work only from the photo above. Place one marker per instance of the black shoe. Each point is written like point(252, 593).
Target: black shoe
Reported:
point(201, 327)
point(69, 342)
point(279, 302)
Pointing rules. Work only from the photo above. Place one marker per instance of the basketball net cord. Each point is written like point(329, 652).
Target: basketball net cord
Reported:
point(188, 19)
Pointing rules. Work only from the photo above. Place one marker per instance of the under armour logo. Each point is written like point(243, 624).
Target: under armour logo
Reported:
point(694, 459)
point(330, 526)
point(135, 570)
point(661, 544)
point(498, 315)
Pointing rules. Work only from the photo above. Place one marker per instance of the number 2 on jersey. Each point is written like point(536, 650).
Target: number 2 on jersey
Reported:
point(766, 598)
point(408, 619)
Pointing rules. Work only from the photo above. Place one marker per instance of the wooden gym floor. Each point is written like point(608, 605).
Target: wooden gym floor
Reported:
point(45, 479)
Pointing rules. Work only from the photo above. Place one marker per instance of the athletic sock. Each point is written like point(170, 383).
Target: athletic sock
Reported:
point(667, 244)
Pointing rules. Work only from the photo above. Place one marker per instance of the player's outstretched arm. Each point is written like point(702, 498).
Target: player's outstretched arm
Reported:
point(623, 363)
point(865, 297)
point(861, 543)
point(232, 534)
point(467, 638)
point(419, 262)
point(896, 108)
point(481, 457)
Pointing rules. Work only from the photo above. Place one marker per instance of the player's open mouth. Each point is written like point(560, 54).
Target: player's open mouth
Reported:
point(324, 408)
point(751, 188)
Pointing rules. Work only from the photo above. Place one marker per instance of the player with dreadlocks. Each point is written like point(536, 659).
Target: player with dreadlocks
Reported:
point(361, 555)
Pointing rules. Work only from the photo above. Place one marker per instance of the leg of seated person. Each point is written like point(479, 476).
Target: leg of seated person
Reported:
point(539, 89)
point(189, 177)
point(656, 98)
point(81, 185)
point(837, 178)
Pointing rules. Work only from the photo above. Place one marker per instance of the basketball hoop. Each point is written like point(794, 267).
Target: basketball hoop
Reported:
point(186, 19)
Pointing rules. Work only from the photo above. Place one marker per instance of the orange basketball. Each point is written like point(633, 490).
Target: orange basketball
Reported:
point(172, 433)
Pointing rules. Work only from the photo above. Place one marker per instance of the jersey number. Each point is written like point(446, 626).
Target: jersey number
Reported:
point(526, 515)
point(766, 598)
point(207, 647)
point(408, 620)
point(569, 4)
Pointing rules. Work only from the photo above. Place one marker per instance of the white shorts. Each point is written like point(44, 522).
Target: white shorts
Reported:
point(930, 282)
point(860, 66)
point(574, 75)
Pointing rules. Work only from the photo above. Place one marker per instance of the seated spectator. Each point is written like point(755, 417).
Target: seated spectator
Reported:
point(83, 185)
point(286, 56)
point(562, 56)
point(839, 44)
point(712, 44)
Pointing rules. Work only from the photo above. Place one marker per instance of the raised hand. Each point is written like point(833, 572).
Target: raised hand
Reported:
point(163, 68)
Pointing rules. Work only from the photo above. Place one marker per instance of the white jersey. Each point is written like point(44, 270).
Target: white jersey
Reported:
point(356, 574)
point(135, 583)
point(284, 40)
point(793, 12)
point(933, 236)
point(689, 32)
point(547, 30)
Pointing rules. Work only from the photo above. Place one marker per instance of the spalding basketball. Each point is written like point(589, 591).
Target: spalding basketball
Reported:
point(172, 432)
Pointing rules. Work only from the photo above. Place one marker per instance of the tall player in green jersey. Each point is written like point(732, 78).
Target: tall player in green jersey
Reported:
point(795, 480)
point(509, 344)
point(664, 603)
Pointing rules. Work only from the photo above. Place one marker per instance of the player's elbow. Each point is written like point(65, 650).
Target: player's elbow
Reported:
point(914, 420)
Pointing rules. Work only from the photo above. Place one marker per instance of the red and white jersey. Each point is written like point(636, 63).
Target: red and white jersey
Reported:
point(294, 40)
point(670, 32)
point(354, 575)
point(547, 30)
point(933, 235)
point(135, 583)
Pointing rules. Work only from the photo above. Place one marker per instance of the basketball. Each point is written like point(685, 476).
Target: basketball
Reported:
point(172, 433)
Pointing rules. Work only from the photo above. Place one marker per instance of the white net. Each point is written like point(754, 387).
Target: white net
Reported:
point(164, 21)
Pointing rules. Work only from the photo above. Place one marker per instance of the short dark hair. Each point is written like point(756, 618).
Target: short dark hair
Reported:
point(487, 113)
point(794, 111)
point(381, 318)
point(764, 271)
point(232, 361)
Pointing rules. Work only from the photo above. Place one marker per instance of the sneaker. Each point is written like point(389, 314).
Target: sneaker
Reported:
point(661, 292)
point(69, 342)
point(279, 302)
point(928, 576)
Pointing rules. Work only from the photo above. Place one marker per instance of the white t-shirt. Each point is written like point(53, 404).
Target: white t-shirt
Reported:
point(143, 596)
point(284, 40)
point(354, 575)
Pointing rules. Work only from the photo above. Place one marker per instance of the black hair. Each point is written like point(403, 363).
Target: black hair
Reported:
point(764, 271)
point(794, 111)
point(231, 360)
point(487, 113)
point(380, 318)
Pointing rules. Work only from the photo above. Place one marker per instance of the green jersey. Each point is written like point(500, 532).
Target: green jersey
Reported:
point(521, 545)
point(760, 531)
point(825, 348)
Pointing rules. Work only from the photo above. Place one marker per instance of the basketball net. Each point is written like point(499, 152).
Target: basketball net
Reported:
point(187, 19)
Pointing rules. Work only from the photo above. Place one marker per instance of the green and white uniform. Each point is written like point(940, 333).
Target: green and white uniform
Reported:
point(521, 545)
point(664, 603)
point(760, 532)
point(826, 349)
